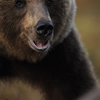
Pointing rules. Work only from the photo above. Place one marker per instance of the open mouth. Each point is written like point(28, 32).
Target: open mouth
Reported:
point(40, 45)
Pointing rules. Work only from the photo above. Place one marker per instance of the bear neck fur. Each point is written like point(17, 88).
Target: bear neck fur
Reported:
point(65, 66)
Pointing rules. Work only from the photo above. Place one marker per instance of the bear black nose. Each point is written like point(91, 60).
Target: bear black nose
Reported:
point(44, 28)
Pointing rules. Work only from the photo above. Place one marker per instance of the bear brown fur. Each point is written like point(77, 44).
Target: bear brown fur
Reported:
point(62, 71)
point(91, 95)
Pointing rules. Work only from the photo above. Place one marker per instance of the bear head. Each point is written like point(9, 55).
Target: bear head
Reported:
point(30, 28)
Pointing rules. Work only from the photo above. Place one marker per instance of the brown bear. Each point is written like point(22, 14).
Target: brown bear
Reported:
point(40, 45)
point(91, 95)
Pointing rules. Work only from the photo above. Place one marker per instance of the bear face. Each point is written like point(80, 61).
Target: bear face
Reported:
point(31, 28)
point(19, 22)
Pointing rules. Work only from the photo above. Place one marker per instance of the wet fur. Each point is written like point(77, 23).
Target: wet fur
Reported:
point(63, 72)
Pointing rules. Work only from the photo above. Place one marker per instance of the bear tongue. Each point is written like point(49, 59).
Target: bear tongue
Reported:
point(39, 44)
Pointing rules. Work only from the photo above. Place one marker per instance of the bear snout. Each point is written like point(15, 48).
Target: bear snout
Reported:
point(44, 28)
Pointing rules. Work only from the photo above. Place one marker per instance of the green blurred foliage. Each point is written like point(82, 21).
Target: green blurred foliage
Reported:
point(88, 24)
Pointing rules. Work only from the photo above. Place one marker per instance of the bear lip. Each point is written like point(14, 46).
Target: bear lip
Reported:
point(40, 45)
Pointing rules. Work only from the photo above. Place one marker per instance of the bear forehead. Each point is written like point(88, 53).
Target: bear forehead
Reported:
point(32, 0)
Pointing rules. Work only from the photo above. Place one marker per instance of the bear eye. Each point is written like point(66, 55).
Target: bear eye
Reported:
point(49, 2)
point(20, 3)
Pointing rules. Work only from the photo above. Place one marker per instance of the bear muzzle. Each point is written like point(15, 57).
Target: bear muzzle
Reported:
point(44, 28)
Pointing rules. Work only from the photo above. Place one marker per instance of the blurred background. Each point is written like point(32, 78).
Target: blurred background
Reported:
point(88, 24)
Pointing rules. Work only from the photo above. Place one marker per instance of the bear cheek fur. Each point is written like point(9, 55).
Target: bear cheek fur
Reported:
point(10, 29)
point(62, 16)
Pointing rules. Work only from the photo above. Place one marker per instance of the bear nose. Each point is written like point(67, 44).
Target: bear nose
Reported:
point(44, 28)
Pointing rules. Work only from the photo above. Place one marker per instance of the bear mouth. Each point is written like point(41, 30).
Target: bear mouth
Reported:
point(41, 45)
